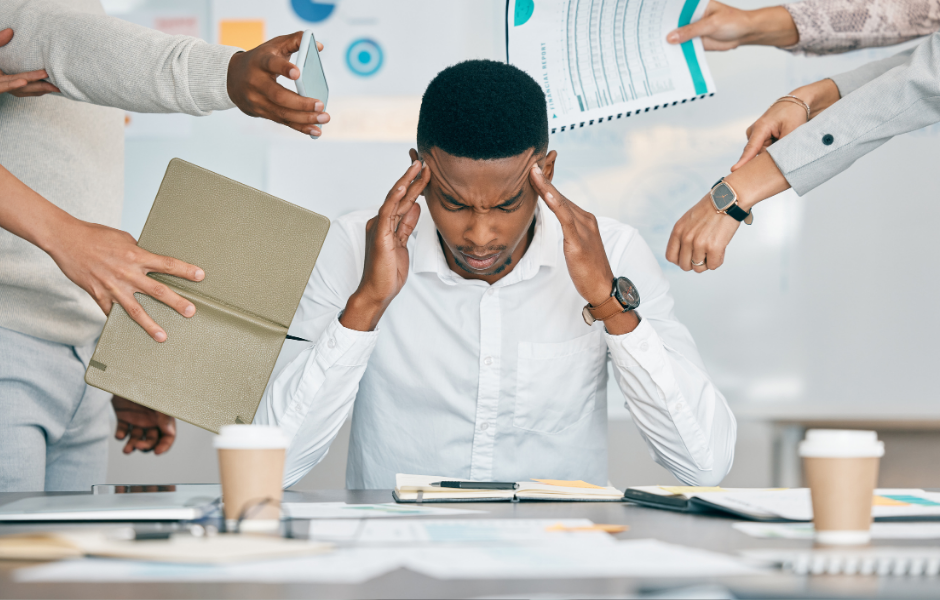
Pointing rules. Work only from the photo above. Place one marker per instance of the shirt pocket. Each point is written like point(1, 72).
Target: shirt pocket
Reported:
point(556, 383)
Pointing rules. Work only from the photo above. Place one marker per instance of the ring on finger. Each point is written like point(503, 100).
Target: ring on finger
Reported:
point(698, 264)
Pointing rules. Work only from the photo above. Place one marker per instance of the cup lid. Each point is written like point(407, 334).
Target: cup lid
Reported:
point(841, 443)
point(250, 437)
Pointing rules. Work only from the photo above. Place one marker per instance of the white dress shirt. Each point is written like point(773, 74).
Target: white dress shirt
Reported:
point(501, 382)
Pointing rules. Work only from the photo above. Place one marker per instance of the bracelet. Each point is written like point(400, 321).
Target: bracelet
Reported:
point(794, 100)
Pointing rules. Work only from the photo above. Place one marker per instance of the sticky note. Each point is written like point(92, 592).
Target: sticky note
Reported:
point(885, 501)
point(688, 489)
point(246, 34)
point(573, 484)
point(903, 500)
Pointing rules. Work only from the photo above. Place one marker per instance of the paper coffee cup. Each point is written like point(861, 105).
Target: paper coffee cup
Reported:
point(841, 468)
point(251, 465)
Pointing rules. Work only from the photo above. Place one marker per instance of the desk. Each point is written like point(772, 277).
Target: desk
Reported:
point(696, 531)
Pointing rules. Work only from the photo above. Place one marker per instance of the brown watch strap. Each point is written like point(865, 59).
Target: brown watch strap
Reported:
point(605, 309)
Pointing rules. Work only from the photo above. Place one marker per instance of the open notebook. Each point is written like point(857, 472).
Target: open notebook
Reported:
point(418, 488)
point(257, 252)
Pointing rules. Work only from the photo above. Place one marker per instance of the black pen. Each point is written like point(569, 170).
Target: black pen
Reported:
point(477, 485)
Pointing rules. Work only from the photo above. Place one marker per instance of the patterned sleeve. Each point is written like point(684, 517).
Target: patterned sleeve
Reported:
point(835, 26)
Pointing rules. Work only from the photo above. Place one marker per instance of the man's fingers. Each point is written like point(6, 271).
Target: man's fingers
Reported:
point(288, 44)
point(122, 429)
point(157, 263)
point(408, 222)
point(285, 99)
point(5, 36)
point(319, 47)
point(148, 441)
point(555, 201)
point(279, 65)
point(414, 190)
point(400, 188)
point(135, 311)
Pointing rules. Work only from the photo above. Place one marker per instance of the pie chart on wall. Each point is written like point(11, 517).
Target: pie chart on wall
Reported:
point(312, 12)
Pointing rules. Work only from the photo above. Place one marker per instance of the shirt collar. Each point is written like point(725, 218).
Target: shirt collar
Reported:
point(428, 257)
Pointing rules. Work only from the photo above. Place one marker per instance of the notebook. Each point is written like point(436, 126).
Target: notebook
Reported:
point(257, 252)
point(418, 488)
point(598, 62)
point(779, 505)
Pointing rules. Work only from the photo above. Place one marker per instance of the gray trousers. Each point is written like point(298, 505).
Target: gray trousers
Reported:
point(54, 427)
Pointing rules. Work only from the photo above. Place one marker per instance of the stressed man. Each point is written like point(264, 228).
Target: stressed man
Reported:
point(468, 333)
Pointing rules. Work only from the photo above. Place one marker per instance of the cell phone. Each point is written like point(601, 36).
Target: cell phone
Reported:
point(312, 80)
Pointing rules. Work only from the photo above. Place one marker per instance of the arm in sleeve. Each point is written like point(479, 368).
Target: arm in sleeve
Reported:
point(683, 417)
point(103, 60)
point(835, 26)
point(311, 397)
point(904, 99)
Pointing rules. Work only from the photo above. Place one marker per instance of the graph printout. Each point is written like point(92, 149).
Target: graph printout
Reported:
point(599, 60)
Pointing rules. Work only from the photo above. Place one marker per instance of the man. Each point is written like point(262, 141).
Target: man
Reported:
point(62, 263)
point(482, 365)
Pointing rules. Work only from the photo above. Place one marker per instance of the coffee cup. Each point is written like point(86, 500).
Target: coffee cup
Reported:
point(251, 465)
point(841, 468)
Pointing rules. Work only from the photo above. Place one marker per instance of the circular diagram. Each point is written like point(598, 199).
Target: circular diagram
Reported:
point(364, 57)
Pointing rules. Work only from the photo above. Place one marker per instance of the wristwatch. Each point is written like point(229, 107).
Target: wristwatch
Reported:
point(623, 297)
point(726, 201)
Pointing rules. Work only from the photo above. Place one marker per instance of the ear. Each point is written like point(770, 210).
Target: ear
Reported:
point(547, 165)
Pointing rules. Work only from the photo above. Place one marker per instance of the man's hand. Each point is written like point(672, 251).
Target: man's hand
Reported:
point(585, 255)
point(144, 428)
point(783, 117)
point(111, 267)
point(253, 88)
point(724, 27)
point(26, 84)
point(386, 264)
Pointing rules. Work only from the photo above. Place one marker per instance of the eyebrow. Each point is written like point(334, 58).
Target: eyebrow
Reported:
point(505, 204)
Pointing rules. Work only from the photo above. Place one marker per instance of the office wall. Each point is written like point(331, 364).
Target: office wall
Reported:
point(824, 305)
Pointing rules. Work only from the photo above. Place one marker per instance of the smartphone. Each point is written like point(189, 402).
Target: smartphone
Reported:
point(312, 80)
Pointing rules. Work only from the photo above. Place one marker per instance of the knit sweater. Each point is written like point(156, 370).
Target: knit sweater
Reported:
point(69, 147)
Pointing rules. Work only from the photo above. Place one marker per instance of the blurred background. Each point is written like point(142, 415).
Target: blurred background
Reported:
point(824, 313)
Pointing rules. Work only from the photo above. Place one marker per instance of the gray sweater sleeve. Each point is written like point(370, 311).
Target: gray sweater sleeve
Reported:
point(833, 26)
point(103, 60)
point(905, 98)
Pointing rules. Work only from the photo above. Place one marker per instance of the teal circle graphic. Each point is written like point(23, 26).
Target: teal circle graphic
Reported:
point(364, 57)
point(524, 10)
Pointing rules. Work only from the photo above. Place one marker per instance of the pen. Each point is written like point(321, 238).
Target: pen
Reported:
point(477, 485)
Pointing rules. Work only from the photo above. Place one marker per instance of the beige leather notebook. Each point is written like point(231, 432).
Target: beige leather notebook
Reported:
point(257, 252)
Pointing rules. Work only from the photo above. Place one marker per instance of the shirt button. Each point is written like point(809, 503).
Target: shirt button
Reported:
point(680, 405)
point(488, 360)
point(489, 292)
point(828, 139)
point(644, 347)
point(484, 426)
point(331, 343)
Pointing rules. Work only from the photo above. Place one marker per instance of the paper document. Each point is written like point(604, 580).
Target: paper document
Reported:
point(157, 506)
point(629, 558)
point(452, 531)
point(805, 531)
point(341, 510)
point(599, 61)
point(796, 504)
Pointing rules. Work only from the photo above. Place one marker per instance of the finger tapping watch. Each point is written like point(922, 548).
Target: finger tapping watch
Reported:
point(726, 201)
point(623, 297)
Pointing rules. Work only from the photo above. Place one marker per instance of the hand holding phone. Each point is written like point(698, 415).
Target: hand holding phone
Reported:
point(312, 80)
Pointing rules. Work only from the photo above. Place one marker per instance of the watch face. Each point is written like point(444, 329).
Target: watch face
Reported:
point(722, 196)
point(626, 293)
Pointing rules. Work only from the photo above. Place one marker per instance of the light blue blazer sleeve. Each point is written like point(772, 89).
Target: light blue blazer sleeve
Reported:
point(902, 95)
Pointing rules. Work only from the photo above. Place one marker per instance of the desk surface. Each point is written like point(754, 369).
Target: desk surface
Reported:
point(710, 533)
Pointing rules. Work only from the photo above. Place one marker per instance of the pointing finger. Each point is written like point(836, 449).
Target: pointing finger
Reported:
point(555, 201)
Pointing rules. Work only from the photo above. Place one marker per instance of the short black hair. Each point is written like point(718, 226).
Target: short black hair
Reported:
point(483, 109)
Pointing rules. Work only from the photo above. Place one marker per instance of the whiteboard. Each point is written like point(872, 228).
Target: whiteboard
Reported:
point(824, 307)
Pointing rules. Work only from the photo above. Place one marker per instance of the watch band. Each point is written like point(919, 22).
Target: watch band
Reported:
point(605, 309)
point(736, 212)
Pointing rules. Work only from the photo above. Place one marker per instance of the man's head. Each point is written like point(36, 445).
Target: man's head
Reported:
point(483, 124)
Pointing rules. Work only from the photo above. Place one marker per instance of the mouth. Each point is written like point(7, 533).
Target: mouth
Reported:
point(480, 263)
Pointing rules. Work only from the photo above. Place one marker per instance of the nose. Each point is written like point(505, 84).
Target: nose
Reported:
point(480, 233)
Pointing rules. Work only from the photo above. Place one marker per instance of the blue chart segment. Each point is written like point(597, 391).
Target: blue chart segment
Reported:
point(312, 12)
point(614, 51)
point(688, 49)
point(364, 57)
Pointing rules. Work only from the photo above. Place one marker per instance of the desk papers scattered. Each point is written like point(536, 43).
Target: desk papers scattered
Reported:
point(156, 506)
point(460, 531)
point(341, 510)
point(186, 549)
point(804, 531)
point(880, 560)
